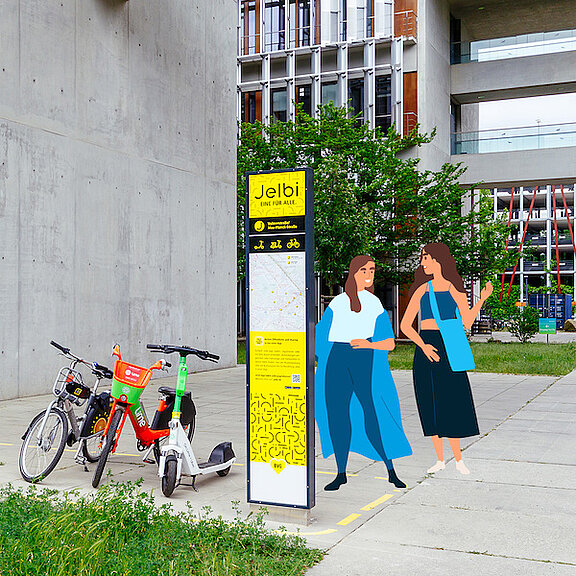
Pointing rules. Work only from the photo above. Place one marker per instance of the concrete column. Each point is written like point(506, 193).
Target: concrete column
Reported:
point(316, 89)
point(343, 74)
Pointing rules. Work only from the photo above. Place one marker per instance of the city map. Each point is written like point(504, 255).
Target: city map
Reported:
point(277, 292)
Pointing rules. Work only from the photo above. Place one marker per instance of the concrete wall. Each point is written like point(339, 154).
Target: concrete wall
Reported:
point(514, 78)
point(434, 80)
point(484, 19)
point(521, 168)
point(117, 181)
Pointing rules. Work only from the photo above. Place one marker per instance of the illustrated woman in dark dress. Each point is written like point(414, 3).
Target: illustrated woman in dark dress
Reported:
point(444, 397)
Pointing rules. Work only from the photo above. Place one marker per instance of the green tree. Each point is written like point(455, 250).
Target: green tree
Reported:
point(371, 197)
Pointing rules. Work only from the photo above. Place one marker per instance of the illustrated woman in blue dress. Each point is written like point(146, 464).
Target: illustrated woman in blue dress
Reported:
point(357, 406)
point(444, 398)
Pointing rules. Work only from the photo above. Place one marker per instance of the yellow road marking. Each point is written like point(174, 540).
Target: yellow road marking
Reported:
point(320, 533)
point(333, 473)
point(5, 444)
point(377, 502)
point(348, 519)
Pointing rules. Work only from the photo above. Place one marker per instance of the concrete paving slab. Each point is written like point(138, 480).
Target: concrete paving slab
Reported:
point(360, 559)
point(493, 532)
point(512, 515)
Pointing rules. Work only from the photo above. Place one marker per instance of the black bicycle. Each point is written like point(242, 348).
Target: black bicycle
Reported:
point(57, 426)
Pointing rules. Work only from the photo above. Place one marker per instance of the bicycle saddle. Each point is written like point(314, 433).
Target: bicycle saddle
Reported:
point(172, 391)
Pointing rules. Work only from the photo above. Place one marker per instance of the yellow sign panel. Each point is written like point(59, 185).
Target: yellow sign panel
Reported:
point(278, 398)
point(277, 194)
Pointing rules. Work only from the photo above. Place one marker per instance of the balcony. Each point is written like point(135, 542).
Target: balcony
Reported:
point(405, 24)
point(513, 47)
point(514, 139)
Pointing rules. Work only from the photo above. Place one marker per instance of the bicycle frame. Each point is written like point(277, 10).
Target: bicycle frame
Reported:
point(137, 416)
point(62, 400)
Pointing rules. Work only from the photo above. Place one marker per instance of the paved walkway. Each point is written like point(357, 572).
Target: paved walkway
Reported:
point(515, 513)
point(558, 338)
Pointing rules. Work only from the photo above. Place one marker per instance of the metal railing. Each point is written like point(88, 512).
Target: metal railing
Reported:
point(513, 47)
point(406, 24)
point(514, 139)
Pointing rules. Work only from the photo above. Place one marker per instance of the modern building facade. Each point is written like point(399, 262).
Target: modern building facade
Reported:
point(117, 185)
point(431, 62)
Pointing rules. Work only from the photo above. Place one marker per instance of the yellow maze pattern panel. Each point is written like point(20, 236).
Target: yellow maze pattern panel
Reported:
point(278, 429)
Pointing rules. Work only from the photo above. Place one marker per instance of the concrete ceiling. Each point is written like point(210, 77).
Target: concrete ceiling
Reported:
point(483, 19)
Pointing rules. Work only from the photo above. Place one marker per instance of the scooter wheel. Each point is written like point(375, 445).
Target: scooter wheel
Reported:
point(224, 472)
point(169, 478)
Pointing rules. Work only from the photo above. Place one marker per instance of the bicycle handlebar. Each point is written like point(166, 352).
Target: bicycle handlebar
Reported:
point(60, 347)
point(183, 351)
point(104, 371)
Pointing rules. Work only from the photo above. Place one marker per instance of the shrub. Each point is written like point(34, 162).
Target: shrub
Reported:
point(523, 323)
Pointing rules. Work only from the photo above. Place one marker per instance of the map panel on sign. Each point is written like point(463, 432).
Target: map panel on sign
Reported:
point(277, 292)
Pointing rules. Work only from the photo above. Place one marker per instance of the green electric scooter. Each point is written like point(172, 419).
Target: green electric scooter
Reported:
point(177, 457)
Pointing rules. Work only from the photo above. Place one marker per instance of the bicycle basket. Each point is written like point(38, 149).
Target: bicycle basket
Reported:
point(129, 381)
point(69, 383)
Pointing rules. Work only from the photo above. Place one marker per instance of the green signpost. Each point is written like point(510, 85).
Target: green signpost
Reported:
point(547, 326)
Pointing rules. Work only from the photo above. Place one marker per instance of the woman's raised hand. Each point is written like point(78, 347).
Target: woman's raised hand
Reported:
point(486, 291)
point(431, 352)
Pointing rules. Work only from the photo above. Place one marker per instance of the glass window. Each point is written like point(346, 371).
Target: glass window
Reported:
point(304, 22)
point(248, 27)
point(330, 93)
point(304, 97)
point(299, 18)
point(279, 105)
point(356, 96)
point(383, 102)
point(249, 107)
point(274, 25)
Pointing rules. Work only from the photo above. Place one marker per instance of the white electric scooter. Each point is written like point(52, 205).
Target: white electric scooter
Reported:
point(176, 456)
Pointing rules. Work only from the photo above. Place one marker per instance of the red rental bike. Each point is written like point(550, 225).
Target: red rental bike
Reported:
point(128, 384)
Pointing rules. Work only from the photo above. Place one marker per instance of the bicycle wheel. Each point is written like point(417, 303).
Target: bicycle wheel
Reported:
point(91, 449)
point(169, 478)
point(109, 441)
point(39, 455)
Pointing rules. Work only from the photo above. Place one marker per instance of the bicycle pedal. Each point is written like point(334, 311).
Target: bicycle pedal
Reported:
point(149, 460)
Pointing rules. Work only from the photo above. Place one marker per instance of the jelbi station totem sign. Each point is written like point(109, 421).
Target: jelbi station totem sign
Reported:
point(280, 337)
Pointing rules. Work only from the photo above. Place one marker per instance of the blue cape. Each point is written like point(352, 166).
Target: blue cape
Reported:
point(384, 394)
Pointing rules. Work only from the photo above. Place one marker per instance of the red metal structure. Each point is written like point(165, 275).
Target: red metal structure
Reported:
point(523, 237)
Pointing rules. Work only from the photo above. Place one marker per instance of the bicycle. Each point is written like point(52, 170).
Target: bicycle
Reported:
point(50, 430)
point(177, 456)
point(128, 384)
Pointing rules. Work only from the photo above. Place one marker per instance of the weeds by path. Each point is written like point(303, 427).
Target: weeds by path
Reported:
point(506, 358)
point(499, 357)
point(119, 531)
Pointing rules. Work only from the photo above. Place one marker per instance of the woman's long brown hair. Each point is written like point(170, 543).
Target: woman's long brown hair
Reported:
point(350, 287)
point(441, 253)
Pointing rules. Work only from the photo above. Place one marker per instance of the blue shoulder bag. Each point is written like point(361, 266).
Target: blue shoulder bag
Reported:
point(455, 341)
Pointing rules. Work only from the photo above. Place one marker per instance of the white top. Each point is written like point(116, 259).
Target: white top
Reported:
point(348, 325)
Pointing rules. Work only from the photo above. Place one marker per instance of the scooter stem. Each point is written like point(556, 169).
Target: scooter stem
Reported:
point(180, 386)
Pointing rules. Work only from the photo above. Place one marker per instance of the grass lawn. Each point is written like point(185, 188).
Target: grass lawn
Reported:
point(501, 357)
point(120, 531)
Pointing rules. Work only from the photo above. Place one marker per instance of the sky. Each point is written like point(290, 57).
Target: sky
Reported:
point(555, 109)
